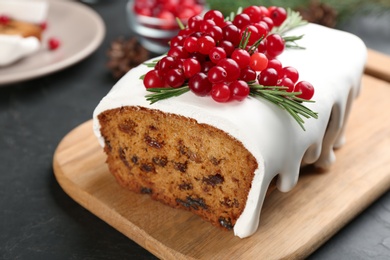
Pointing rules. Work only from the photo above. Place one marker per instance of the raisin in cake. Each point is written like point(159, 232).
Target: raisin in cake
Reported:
point(218, 160)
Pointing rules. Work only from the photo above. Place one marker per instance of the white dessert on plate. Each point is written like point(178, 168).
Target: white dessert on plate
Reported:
point(14, 46)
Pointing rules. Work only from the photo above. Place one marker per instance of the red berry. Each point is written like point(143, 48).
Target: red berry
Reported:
point(241, 20)
point(178, 40)
point(275, 45)
point(191, 67)
point(53, 43)
point(217, 74)
point(242, 57)
point(227, 46)
point(191, 44)
point(199, 84)
point(254, 33)
point(306, 89)
point(178, 52)
point(165, 64)
point(268, 77)
point(220, 92)
point(277, 14)
point(290, 72)
point(175, 78)
point(205, 44)
point(254, 13)
point(258, 61)
point(232, 34)
point(239, 90)
point(247, 74)
point(275, 64)
point(286, 82)
point(216, 16)
point(215, 32)
point(152, 79)
point(4, 19)
point(194, 22)
point(231, 67)
point(216, 54)
point(268, 21)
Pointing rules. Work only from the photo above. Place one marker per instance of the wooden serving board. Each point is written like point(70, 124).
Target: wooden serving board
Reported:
point(292, 224)
point(378, 65)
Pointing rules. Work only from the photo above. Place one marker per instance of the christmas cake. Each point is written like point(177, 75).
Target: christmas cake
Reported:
point(215, 141)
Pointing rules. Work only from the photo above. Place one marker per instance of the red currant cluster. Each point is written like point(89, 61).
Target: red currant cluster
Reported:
point(224, 58)
point(168, 10)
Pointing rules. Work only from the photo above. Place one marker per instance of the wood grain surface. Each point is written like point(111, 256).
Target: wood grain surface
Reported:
point(378, 65)
point(292, 224)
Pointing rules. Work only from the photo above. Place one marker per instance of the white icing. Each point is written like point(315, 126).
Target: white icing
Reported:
point(15, 47)
point(333, 62)
point(28, 11)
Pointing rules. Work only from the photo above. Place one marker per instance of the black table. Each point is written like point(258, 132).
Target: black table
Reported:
point(39, 221)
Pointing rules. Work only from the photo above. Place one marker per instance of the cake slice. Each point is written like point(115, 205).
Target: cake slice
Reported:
point(218, 160)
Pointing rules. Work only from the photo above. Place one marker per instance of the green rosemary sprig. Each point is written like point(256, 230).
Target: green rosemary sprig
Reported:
point(288, 101)
point(165, 93)
point(293, 20)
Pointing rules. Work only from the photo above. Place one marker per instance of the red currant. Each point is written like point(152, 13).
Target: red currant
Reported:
point(286, 82)
point(194, 22)
point(191, 44)
point(175, 78)
point(4, 19)
point(275, 45)
point(268, 77)
point(254, 13)
point(215, 32)
point(220, 92)
point(241, 20)
point(178, 52)
point(247, 74)
point(216, 16)
point(242, 57)
point(277, 14)
point(268, 21)
point(227, 46)
point(199, 84)
point(290, 72)
point(191, 67)
point(217, 74)
point(275, 64)
point(258, 61)
point(231, 67)
point(153, 80)
point(306, 89)
point(165, 64)
point(54, 43)
point(232, 34)
point(239, 90)
point(205, 44)
point(216, 54)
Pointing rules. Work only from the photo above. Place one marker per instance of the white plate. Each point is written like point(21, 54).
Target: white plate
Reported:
point(80, 30)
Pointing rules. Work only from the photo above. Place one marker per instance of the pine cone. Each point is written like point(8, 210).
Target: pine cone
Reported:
point(319, 13)
point(124, 55)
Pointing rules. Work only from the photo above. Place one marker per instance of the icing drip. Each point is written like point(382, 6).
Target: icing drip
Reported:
point(277, 142)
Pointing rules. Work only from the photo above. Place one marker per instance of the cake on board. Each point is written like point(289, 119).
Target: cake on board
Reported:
point(218, 156)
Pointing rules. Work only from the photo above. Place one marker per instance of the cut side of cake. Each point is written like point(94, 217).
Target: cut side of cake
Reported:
point(218, 160)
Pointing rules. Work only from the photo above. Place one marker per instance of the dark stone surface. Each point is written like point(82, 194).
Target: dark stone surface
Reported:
point(39, 221)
